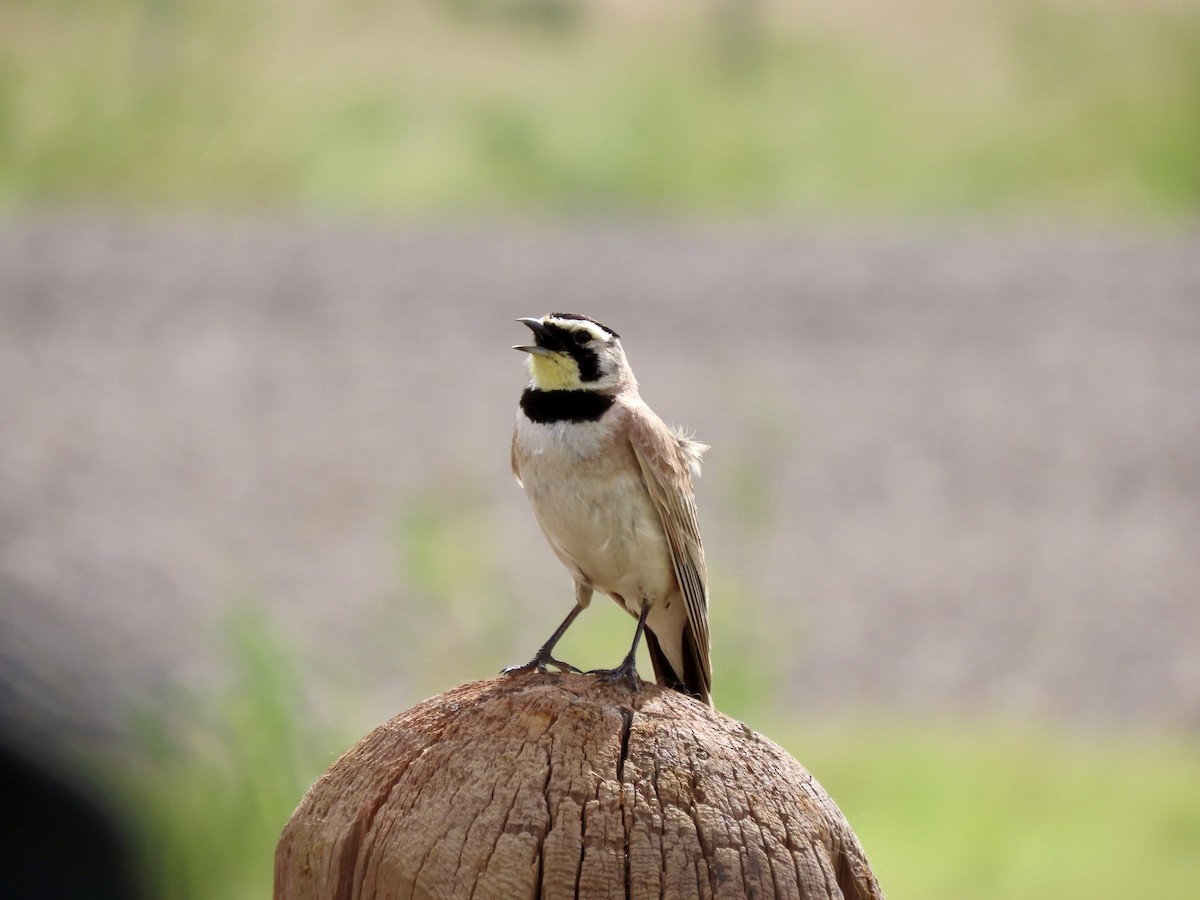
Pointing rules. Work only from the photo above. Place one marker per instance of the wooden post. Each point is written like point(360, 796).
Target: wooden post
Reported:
point(558, 786)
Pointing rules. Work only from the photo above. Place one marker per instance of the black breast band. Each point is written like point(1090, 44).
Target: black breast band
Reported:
point(545, 407)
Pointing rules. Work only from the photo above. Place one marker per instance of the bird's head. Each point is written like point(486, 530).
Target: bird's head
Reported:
point(571, 352)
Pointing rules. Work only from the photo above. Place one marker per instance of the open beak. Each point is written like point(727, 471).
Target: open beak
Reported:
point(540, 332)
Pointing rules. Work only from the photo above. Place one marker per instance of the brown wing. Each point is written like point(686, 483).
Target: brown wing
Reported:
point(668, 460)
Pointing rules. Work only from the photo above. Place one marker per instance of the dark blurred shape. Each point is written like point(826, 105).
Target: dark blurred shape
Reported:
point(58, 841)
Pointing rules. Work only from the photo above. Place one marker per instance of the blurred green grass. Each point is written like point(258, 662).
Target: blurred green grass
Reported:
point(958, 811)
point(1065, 110)
point(988, 811)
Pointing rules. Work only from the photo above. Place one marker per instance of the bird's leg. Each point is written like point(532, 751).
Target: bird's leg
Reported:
point(543, 658)
point(627, 670)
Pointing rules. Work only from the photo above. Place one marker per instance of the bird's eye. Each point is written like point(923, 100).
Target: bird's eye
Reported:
point(582, 337)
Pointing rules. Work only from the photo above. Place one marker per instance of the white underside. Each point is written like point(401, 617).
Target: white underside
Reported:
point(604, 528)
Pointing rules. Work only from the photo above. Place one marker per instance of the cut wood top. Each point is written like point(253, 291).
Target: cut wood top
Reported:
point(560, 786)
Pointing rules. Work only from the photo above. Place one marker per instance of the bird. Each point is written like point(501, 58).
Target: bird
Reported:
point(610, 484)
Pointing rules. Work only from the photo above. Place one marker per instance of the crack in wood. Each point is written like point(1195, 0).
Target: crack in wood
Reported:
point(626, 826)
point(539, 887)
point(582, 845)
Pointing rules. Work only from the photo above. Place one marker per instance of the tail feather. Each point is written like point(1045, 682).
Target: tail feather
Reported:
point(693, 681)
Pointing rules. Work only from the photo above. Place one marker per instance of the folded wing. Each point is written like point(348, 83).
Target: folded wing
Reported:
point(669, 460)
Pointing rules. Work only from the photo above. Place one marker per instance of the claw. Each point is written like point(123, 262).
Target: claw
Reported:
point(626, 672)
point(544, 656)
point(539, 664)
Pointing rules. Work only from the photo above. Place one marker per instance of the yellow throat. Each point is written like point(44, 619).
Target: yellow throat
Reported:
point(554, 372)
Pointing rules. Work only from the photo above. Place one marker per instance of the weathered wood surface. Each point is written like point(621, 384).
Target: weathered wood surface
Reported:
point(558, 786)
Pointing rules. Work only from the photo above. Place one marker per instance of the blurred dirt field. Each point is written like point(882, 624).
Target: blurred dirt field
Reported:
point(952, 471)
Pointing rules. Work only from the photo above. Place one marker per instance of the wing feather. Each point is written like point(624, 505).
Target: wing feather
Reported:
point(668, 460)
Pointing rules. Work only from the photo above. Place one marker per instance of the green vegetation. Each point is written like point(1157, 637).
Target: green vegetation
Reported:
point(973, 813)
point(218, 779)
point(1064, 110)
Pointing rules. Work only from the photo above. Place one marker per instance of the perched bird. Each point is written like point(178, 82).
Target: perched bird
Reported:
point(611, 486)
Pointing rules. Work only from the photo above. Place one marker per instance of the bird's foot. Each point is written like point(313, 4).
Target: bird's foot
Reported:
point(626, 671)
point(539, 664)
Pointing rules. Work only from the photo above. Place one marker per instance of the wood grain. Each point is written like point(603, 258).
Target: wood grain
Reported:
point(559, 786)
